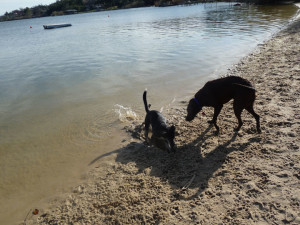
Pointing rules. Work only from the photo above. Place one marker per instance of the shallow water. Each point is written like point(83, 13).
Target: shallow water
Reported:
point(65, 93)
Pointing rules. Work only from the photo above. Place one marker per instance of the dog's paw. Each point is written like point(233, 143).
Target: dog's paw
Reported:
point(237, 129)
point(259, 131)
point(210, 121)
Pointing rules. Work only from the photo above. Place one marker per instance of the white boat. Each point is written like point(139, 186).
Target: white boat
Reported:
point(52, 26)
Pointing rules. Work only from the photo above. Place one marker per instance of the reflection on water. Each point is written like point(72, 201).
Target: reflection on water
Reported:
point(59, 88)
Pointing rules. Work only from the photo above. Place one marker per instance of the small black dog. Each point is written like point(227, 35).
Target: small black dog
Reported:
point(160, 129)
point(220, 91)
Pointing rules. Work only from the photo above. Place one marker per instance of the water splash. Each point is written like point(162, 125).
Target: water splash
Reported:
point(125, 113)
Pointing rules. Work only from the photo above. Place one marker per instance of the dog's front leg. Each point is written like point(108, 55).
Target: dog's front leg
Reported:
point(146, 137)
point(217, 110)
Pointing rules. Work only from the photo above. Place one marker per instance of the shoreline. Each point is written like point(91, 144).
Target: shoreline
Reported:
point(233, 178)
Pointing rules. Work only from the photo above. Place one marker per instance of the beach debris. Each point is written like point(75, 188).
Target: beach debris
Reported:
point(106, 205)
point(185, 187)
point(35, 212)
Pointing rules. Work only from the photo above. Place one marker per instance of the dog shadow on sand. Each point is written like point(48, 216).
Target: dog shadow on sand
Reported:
point(188, 167)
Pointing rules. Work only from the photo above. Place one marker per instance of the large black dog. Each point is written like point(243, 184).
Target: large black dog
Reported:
point(161, 132)
point(217, 92)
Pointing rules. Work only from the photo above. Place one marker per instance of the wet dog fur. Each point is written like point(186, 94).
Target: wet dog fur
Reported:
point(217, 92)
point(162, 134)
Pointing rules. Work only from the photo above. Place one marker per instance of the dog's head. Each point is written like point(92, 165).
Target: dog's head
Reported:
point(169, 136)
point(194, 107)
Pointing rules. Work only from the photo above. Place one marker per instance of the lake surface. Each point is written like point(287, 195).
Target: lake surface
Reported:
point(60, 89)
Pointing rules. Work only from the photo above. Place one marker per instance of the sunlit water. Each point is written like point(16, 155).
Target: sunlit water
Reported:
point(65, 93)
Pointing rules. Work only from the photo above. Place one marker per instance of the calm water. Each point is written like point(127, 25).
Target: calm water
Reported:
point(59, 88)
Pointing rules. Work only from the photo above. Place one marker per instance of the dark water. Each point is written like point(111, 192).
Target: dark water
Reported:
point(59, 88)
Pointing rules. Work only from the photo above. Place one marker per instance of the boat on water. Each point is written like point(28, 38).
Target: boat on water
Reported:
point(52, 26)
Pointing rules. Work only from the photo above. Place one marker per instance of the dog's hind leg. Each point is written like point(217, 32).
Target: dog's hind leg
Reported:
point(256, 116)
point(238, 111)
point(217, 110)
point(147, 126)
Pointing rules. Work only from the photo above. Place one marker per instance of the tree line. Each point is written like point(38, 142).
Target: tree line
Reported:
point(62, 7)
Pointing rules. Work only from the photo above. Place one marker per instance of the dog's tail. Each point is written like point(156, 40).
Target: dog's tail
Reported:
point(145, 101)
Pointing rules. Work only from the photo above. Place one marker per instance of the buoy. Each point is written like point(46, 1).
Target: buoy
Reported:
point(30, 26)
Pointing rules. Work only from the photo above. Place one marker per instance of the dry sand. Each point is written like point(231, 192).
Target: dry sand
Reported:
point(233, 178)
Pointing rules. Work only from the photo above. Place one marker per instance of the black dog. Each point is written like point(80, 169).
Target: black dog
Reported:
point(160, 129)
point(218, 92)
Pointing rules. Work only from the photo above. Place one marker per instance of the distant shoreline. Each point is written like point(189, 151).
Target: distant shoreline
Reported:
point(51, 10)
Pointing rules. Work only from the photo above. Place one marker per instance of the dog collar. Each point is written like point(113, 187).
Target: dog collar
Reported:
point(198, 103)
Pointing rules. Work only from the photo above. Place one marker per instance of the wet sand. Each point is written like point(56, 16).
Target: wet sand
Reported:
point(232, 178)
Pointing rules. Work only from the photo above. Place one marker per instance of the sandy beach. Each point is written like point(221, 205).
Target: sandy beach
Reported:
point(232, 178)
